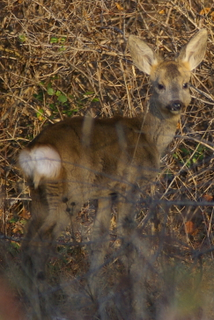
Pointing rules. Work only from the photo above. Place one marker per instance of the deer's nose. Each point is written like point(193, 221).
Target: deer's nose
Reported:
point(175, 106)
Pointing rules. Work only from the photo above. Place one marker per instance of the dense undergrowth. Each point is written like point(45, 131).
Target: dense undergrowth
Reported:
point(66, 58)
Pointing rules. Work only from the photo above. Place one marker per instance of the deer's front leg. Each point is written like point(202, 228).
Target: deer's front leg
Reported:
point(99, 242)
point(134, 252)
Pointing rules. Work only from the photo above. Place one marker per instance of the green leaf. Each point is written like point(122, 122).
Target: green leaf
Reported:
point(62, 40)
point(14, 245)
point(62, 48)
point(62, 98)
point(95, 100)
point(39, 96)
point(22, 38)
point(89, 93)
point(39, 113)
point(68, 112)
point(58, 93)
point(54, 40)
point(175, 156)
point(50, 91)
point(185, 151)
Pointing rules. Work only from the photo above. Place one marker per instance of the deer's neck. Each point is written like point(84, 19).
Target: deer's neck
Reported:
point(160, 129)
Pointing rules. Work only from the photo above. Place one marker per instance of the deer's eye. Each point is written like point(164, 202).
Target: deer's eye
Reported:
point(161, 86)
point(185, 85)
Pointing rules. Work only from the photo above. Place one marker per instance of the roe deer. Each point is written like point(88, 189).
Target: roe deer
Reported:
point(81, 158)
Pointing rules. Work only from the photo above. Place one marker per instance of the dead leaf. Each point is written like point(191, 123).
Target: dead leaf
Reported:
point(190, 228)
point(178, 127)
point(161, 12)
point(18, 228)
point(204, 11)
point(208, 197)
point(119, 7)
point(25, 214)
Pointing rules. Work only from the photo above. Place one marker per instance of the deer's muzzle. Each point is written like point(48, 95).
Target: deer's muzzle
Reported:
point(175, 106)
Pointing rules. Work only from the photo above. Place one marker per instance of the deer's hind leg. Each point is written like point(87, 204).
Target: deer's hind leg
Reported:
point(39, 211)
point(49, 218)
point(54, 217)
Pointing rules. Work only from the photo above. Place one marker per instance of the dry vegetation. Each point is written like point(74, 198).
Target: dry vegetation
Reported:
point(64, 58)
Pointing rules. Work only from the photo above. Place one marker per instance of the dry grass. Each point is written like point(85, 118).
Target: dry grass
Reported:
point(63, 58)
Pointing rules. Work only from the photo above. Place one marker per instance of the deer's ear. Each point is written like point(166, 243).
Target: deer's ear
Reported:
point(194, 51)
point(143, 56)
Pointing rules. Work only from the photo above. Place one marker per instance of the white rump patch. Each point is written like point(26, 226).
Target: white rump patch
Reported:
point(40, 162)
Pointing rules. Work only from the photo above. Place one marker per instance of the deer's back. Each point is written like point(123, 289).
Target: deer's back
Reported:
point(98, 154)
